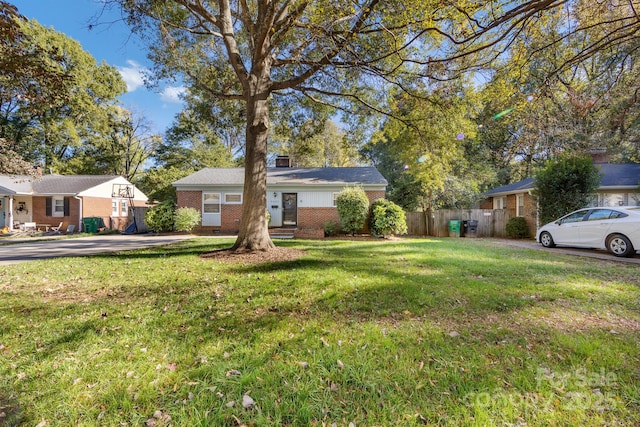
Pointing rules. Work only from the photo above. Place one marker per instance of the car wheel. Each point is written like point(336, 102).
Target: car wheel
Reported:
point(620, 245)
point(546, 240)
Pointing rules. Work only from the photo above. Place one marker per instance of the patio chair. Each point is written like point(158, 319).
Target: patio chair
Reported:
point(56, 230)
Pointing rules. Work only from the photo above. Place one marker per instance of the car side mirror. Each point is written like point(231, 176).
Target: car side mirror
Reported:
point(559, 222)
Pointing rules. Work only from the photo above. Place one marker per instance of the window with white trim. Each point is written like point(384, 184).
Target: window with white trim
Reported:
point(519, 204)
point(334, 196)
point(124, 208)
point(233, 198)
point(211, 202)
point(114, 207)
point(58, 206)
point(500, 202)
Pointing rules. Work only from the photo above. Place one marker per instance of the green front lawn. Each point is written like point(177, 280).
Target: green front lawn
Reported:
point(410, 332)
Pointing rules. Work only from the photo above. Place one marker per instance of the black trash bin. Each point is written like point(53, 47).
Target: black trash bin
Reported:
point(471, 230)
point(465, 228)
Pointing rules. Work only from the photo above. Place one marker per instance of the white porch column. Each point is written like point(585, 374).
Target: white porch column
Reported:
point(10, 216)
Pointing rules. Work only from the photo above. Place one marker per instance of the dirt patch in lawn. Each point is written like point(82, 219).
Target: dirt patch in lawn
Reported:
point(277, 254)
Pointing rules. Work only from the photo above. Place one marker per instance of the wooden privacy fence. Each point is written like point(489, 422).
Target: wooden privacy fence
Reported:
point(491, 222)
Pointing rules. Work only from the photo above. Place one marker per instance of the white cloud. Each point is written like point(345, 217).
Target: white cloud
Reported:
point(173, 94)
point(133, 75)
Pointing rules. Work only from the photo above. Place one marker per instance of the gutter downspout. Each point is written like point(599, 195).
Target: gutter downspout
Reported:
point(80, 212)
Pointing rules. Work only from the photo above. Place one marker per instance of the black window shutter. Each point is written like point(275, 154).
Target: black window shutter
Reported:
point(49, 207)
point(66, 206)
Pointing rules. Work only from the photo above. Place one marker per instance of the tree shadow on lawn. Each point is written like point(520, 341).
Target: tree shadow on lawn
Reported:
point(432, 289)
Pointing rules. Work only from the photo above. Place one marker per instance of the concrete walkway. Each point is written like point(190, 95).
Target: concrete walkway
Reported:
point(13, 251)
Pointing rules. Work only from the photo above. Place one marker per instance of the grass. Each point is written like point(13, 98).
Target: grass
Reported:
point(410, 332)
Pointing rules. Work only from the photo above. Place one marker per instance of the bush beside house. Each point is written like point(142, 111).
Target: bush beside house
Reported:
point(387, 218)
point(353, 209)
point(517, 228)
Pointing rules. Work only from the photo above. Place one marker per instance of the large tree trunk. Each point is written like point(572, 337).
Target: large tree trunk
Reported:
point(254, 231)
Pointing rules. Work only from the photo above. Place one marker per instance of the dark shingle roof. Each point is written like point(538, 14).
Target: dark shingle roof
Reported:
point(625, 175)
point(620, 175)
point(72, 184)
point(51, 184)
point(307, 176)
point(523, 185)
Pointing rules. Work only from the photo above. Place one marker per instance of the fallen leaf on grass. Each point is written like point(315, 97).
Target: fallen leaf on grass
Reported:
point(247, 402)
point(233, 372)
point(160, 418)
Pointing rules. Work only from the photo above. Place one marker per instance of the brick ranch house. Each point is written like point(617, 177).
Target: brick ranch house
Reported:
point(302, 199)
point(49, 200)
point(618, 187)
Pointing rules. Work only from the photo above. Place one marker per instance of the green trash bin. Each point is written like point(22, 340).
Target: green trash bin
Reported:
point(90, 225)
point(454, 227)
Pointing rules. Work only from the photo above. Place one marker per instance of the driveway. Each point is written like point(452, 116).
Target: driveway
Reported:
point(589, 253)
point(26, 250)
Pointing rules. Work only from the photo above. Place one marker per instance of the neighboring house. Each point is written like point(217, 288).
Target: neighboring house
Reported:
point(303, 199)
point(48, 200)
point(618, 187)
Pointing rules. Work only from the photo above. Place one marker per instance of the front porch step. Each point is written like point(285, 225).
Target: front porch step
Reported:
point(282, 233)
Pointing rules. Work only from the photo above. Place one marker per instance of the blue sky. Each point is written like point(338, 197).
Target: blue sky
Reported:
point(112, 43)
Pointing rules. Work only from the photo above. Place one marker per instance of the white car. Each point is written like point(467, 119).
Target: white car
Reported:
point(614, 229)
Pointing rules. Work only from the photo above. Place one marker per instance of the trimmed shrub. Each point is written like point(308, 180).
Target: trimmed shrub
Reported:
point(353, 209)
point(387, 218)
point(517, 228)
point(160, 218)
point(331, 228)
point(186, 219)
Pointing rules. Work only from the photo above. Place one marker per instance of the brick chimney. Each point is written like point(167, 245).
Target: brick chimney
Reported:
point(599, 156)
point(283, 162)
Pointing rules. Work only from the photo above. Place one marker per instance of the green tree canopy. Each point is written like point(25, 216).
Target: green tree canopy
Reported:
point(62, 101)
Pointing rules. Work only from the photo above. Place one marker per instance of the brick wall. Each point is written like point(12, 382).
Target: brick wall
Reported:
point(230, 218)
point(531, 214)
point(315, 218)
point(91, 207)
point(190, 199)
point(375, 195)
point(40, 213)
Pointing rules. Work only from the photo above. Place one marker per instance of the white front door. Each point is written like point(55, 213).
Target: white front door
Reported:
point(211, 210)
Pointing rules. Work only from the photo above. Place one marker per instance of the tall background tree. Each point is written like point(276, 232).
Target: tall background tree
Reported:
point(28, 75)
point(47, 127)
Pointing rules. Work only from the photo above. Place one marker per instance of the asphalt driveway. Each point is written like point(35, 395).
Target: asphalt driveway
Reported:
point(26, 250)
point(589, 253)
